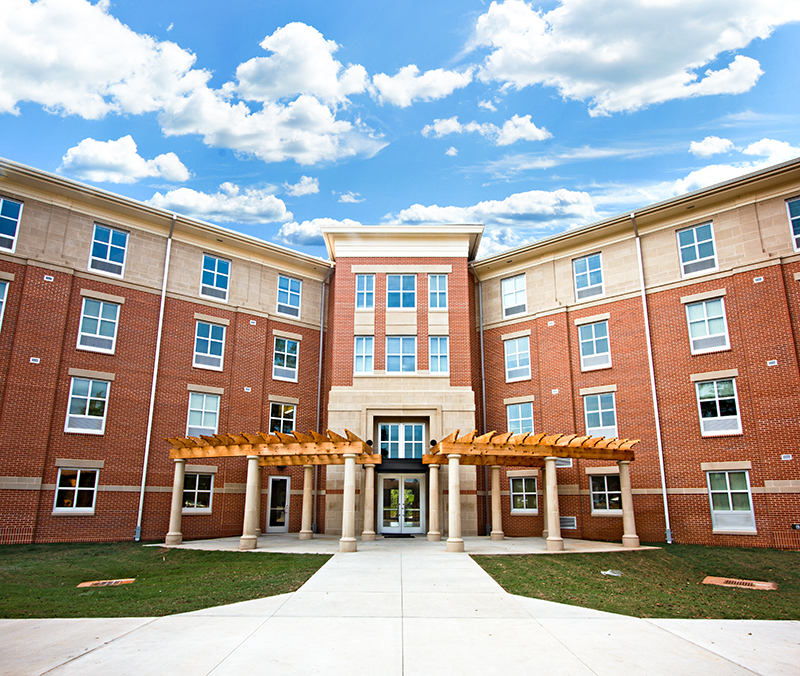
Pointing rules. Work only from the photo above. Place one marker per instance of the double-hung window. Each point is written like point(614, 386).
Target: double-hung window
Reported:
point(365, 292)
point(606, 494)
point(437, 292)
point(3, 296)
point(197, 492)
point(439, 354)
point(731, 502)
point(209, 346)
point(600, 411)
point(289, 293)
point(520, 417)
point(284, 359)
point(697, 250)
point(76, 490)
point(215, 278)
point(588, 275)
point(363, 354)
point(523, 494)
point(708, 330)
point(793, 207)
point(203, 418)
point(514, 296)
point(518, 359)
point(98, 327)
point(282, 417)
point(109, 247)
point(594, 346)
point(10, 212)
point(401, 354)
point(401, 440)
point(718, 407)
point(88, 403)
point(401, 291)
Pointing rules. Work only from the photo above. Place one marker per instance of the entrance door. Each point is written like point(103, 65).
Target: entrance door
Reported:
point(402, 503)
point(278, 504)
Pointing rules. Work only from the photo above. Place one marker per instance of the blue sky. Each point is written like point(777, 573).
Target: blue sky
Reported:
point(276, 117)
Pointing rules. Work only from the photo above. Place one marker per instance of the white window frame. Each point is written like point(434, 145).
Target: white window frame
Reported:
point(710, 342)
point(404, 353)
point(437, 297)
point(105, 265)
point(588, 289)
point(3, 298)
point(599, 488)
point(206, 359)
point(192, 507)
point(365, 292)
point(514, 295)
point(589, 412)
point(79, 422)
point(363, 354)
point(439, 354)
point(282, 371)
point(517, 417)
point(61, 490)
point(7, 206)
point(285, 415)
point(409, 444)
point(86, 338)
point(290, 296)
point(596, 359)
point(794, 220)
point(731, 520)
point(718, 425)
point(520, 486)
point(516, 367)
point(697, 265)
point(211, 277)
point(402, 293)
point(206, 405)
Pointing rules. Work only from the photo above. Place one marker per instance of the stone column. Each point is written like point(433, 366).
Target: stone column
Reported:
point(497, 512)
point(368, 534)
point(308, 501)
point(554, 541)
point(249, 539)
point(347, 543)
point(454, 541)
point(629, 537)
point(174, 535)
point(434, 530)
point(543, 506)
point(258, 502)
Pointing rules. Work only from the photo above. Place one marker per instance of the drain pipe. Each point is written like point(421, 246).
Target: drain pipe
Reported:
point(319, 392)
point(652, 379)
point(483, 394)
point(138, 532)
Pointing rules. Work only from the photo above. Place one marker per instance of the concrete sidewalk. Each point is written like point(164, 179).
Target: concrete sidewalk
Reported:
point(398, 608)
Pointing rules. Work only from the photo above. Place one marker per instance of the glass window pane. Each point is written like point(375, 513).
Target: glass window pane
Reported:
point(717, 481)
point(738, 481)
point(720, 502)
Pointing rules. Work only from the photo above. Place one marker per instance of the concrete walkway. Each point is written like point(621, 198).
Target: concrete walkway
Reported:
point(398, 607)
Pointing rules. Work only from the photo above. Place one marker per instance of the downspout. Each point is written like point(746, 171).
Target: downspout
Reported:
point(138, 532)
point(483, 393)
point(319, 393)
point(652, 379)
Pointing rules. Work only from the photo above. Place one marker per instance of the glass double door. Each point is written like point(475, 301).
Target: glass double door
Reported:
point(402, 504)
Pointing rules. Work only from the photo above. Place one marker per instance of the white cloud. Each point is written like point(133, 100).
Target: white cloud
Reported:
point(306, 186)
point(710, 145)
point(520, 129)
point(409, 86)
point(228, 205)
point(626, 54)
point(119, 162)
point(350, 197)
point(308, 233)
point(774, 151)
point(487, 105)
point(451, 151)
point(513, 130)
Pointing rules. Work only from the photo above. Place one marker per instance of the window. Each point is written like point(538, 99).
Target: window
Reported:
point(3, 296)
point(438, 353)
point(513, 292)
point(284, 359)
point(108, 250)
point(518, 360)
point(601, 415)
point(197, 492)
point(215, 278)
point(588, 273)
point(708, 331)
point(401, 291)
point(364, 350)
point(731, 505)
point(203, 416)
point(520, 418)
point(594, 346)
point(401, 440)
point(523, 494)
point(696, 247)
point(10, 212)
point(88, 401)
point(209, 346)
point(282, 417)
point(98, 328)
point(606, 493)
point(365, 292)
point(719, 412)
point(289, 291)
point(437, 291)
point(401, 354)
point(76, 490)
point(792, 206)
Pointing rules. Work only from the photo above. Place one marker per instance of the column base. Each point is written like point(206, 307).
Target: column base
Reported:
point(455, 545)
point(434, 536)
point(495, 535)
point(348, 545)
point(630, 540)
point(173, 539)
point(368, 536)
point(248, 542)
point(555, 545)
point(306, 535)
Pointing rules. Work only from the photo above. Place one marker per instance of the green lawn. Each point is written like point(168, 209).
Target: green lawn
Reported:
point(659, 583)
point(40, 580)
